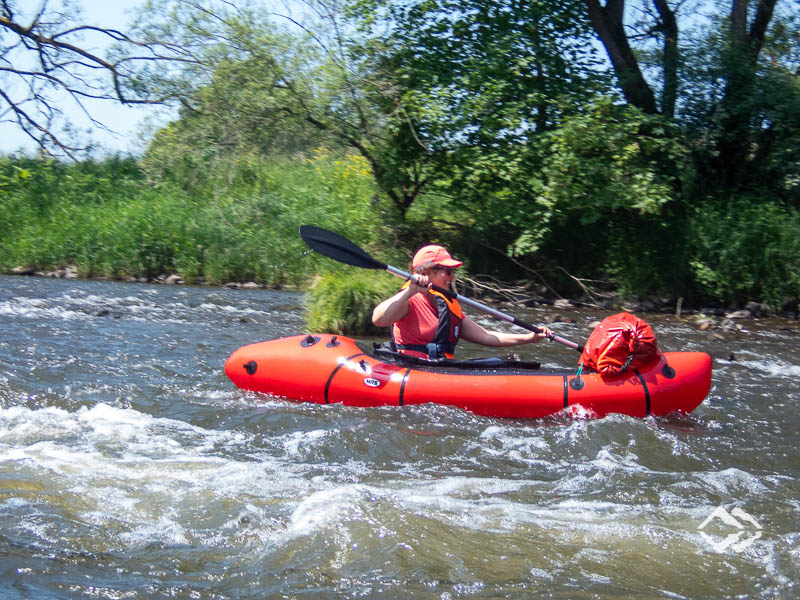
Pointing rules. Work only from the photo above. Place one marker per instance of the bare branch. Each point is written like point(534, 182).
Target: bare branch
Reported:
point(41, 63)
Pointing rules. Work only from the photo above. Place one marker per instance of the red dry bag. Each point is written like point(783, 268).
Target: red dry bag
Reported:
point(622, 341)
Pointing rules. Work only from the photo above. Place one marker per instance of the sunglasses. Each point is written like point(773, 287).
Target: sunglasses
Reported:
point(446, 270)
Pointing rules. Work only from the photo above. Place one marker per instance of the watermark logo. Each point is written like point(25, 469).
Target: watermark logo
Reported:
point(748, 529)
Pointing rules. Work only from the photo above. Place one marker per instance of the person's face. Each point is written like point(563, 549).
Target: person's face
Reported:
point(442, 276)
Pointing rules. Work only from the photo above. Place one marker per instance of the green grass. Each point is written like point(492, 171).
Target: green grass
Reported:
point(343, 302)
point(109, 220)
point(238, 220)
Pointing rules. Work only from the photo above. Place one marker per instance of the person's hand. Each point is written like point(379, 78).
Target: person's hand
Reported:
point(422, 283)
point(545, 333)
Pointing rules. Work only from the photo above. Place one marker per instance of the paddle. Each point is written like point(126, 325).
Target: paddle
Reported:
point(343, 250)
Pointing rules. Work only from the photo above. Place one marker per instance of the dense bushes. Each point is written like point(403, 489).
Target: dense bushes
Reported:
point(745, 249)
point(241, 225)
point(239, 221)
point(343, 303)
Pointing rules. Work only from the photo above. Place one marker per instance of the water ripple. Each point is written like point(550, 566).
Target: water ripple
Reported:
point(131, 467)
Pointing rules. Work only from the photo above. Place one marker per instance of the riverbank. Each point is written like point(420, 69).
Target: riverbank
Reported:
point(556, 310)
point(71, 272)
point(236, 225)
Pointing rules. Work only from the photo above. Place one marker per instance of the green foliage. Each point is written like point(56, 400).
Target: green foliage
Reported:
point(479, 81)
point(607, 201)
point(241, 225)
point(740, 107)
point(473, 123)
point(246, 106)
point(268, 89)
point(746, 249)
point(480, 72)
point(343, 302)
point(612, 158)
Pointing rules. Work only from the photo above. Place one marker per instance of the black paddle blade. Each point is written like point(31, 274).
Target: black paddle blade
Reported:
point(338, 248)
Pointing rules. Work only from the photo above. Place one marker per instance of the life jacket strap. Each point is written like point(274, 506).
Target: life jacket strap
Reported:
point(433, 350)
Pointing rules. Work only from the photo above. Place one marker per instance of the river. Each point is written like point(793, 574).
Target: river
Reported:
point(130, 467)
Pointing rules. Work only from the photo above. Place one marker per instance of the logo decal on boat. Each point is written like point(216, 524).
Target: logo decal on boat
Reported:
point(372, 382)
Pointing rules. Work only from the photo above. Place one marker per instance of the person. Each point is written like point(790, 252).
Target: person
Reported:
point(426, 323)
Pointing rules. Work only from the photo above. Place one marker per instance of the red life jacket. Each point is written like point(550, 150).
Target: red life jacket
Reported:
point(431, 328)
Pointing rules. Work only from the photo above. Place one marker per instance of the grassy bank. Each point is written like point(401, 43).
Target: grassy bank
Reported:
point(110, 220)
point(237, 220)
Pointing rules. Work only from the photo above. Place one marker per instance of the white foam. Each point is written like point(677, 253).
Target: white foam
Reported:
point(73, 306)
point(104, 443)
point(324, 508)
point(136, 479)
point(35, 308)
point(297, 441)
point(772, 368)
point(733, 482)
point(608, 461)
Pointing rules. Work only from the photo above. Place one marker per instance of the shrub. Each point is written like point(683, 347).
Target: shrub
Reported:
point(342, 303)
point(242, 226)
point(746, 250)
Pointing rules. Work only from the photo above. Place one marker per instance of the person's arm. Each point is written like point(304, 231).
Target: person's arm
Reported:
point(395, 308)
point(472, 332)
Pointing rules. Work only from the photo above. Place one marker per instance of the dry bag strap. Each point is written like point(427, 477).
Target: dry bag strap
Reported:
point(627, 363)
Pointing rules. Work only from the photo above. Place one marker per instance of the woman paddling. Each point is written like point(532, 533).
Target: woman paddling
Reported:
point(427, 324)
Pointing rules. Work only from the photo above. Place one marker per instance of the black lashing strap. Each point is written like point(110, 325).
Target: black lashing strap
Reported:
point(646, 392)
point(403, 386)
point(336, 370)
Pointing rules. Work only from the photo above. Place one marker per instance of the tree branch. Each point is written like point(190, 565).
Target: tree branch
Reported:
point(45, 58)
point(608, 23)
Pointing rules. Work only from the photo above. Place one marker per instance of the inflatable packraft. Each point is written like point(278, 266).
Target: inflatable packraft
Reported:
point(329, 369)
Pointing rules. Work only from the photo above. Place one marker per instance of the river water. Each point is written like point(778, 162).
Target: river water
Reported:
point(130, 467)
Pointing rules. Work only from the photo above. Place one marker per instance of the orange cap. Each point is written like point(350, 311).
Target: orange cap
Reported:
point(428, 256)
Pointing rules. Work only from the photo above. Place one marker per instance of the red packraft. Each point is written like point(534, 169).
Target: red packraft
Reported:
point(621, 342)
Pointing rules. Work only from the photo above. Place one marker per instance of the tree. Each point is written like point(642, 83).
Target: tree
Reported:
point(738, 108)
point(264, 74)
point(608, 22)
point(482, 78)
point(715, 82)
point(47, 63)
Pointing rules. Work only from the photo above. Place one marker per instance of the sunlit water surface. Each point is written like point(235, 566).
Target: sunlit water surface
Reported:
point(130, 467)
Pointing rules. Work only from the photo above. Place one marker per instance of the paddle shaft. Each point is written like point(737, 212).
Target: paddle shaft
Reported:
point(487, 309)
point(339, 248)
